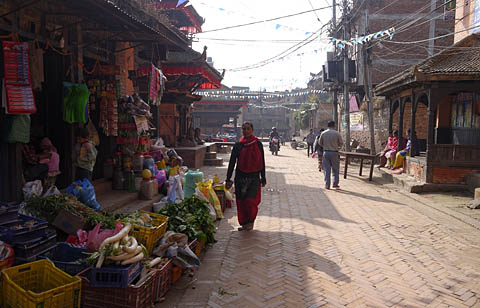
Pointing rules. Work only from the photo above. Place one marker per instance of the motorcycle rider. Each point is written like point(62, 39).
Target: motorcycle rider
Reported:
point(274, 133)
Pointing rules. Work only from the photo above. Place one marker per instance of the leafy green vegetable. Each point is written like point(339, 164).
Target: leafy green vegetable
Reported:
point(191, 217)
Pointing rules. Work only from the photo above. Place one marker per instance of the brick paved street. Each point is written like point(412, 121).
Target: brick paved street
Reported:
point(364, 246)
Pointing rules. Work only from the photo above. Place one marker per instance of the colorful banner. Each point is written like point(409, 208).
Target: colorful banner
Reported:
point(363, 39)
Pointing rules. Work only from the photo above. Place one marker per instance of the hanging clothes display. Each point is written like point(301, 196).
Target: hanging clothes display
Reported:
point(75, 103)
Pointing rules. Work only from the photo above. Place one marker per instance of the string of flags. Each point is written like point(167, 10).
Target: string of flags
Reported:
point(245, 94)
point(363, 39)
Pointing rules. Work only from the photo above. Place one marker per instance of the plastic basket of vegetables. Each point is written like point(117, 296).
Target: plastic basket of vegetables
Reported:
point(162, 280)
point(148, 228)
point(117, 261)
point(139, 295)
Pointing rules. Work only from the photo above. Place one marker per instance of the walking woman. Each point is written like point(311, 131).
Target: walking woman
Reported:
point(249, 159)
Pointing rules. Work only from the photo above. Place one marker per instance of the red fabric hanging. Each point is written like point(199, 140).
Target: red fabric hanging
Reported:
point(212, 83)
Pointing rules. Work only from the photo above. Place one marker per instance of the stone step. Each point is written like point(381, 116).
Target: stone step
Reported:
point(213, 162)
point(114, 199)
point(102, 185)
point(211, 155)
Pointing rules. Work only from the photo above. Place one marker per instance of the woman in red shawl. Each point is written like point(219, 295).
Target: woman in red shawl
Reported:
point(249, 176)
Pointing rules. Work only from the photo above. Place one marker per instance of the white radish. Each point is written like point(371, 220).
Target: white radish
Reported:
point(136, 258)
point(100, 260)
point(146, 218)
point(120, 235)
point(133, 246)
point(125, 256)
point(154, 262)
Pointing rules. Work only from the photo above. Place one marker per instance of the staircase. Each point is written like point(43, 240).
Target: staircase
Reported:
point(211, 159)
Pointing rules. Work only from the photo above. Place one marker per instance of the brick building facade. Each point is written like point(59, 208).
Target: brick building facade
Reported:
point(415, 20)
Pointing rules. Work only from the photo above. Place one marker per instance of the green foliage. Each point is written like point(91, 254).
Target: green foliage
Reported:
point(302, 116)
point(191, 217)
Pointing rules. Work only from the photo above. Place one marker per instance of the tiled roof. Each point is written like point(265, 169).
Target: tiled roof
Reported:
point(458, 61)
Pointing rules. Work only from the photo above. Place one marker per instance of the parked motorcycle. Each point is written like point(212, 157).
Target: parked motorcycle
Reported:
point(275, 145)
point(293, 144)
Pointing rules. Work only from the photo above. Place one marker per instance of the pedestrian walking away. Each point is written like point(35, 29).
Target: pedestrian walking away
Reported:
point(310, 139)
point(249, 159)
point(331, 141)
point(318, 151)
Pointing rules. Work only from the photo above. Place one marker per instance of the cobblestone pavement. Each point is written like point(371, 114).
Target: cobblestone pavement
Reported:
point(364, 246)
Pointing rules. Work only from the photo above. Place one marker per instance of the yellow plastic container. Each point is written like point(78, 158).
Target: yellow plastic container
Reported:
point(149, 236)
point(40, 284)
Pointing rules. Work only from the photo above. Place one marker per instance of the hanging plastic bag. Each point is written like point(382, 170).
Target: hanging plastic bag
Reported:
point(85, 193)
point(32, 189)
point(175, 245)
point(207, 190)
point(201, 196)
point(96, 237)
point(161, 177)
point(53, 190)
point(192, 178)
point(228, 195)
point(175, 191)
point(178, 187)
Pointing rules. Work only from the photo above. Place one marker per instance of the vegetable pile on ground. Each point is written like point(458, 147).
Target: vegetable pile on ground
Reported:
point(191, 217)
point(119, 249)
point(49, 207)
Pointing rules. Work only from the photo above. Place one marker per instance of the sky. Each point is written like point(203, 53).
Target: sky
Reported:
point(229, 50)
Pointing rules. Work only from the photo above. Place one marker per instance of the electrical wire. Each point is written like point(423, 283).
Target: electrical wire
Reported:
point(282, 54)
point(266, 20)
point(311, 5)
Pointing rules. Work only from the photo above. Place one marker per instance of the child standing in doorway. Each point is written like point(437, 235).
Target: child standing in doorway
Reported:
point(85, 155)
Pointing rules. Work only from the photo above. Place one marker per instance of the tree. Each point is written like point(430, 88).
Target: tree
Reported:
point(302, 116)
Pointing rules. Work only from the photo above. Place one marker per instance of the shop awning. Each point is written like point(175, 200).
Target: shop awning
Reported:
point(126, 22)
point(193, 69)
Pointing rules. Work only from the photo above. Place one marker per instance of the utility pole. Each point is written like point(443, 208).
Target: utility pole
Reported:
point(335, 92)
point(367, 81)
point(346, 78)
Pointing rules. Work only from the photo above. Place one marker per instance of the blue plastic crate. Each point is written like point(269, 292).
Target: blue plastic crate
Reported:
point(115, 276)
point(9, 232)
point(30, 248)
point(67, 258)
point(19, 260)
point(8, 213)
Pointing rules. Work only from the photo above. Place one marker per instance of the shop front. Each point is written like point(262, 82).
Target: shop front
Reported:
point(78, 70)
point(440, 97)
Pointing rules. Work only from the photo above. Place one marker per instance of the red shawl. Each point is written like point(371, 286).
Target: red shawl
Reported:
point(250, 159)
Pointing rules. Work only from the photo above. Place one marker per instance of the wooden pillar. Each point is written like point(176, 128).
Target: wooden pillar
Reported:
point(433, 97)
point(414, 100)
point(390, 120)
point(79, 54)
point(400, 124)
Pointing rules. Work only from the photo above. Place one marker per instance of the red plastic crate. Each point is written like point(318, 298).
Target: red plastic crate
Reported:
point(162, 280)
point(138, 297)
